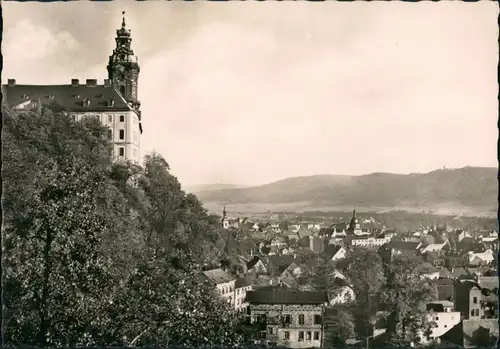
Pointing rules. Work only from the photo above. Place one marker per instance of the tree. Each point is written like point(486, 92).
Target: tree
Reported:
point(60, 206)
point(102, 253)
point(366, 274)
point(338, 329)
point(406, 295)
point(322, 274)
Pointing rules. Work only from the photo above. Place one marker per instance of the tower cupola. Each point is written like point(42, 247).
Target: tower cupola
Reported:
point(123, 67)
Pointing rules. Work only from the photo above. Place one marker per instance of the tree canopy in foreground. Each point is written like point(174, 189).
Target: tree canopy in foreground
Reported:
point(102, 253)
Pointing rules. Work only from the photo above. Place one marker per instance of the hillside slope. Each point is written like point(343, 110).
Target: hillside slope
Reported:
point(210, 187)
point(475, 187)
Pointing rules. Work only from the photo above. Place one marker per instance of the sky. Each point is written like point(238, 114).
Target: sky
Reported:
point(252, 92)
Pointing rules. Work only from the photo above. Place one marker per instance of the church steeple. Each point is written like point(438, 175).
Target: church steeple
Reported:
point(224, 220)
point(123, 67)
point(354, 226)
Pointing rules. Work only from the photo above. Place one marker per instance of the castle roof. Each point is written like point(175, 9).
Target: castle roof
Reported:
point(88, 97)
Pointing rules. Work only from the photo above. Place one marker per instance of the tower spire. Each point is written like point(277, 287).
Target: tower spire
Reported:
point(123, 19)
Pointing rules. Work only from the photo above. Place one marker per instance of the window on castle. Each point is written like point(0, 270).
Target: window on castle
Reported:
point(301, 319)
point(110, 118)
point(122, 118)
point(472, 312)
point(477, 312)
point(287, 319)
point(122, 134)
point(474, 300)
point(308, 335)
point(110, 134)
point(287, 335)
point(316, 336)
point(301, 336)
point(121, 151)
point(317, 319)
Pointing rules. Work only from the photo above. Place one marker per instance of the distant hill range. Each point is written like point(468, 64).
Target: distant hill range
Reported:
point(459, 191)
point(211, 187)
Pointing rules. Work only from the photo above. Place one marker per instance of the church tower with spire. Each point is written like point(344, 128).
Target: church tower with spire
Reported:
point(354, 226)
point(123, 67)
point(224, 220)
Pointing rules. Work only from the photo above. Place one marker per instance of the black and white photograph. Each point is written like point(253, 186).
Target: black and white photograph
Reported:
point(263, 174)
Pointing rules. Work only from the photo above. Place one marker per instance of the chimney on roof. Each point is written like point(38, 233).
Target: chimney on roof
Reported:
point(11, 82)
point(111, 103)
point(75, 82)
point(91, 82)
point(107, 83)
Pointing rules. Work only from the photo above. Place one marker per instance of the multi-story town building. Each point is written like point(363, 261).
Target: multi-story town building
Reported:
point(224, 282)
point(477, 299)
point(442, 314)
point(366, 241)
point(115, 103)
point(241, 287)
point(287, 316)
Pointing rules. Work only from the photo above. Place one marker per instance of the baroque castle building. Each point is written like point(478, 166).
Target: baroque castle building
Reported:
point(114, 103)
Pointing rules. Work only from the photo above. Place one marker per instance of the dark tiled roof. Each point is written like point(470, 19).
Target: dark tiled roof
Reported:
point(435, 307)
point(253, 262)
point(331, 250)
point(65, 96)
point(457, 272)
point(281, 261)
point(242, 282)
point(472, 330)
point(284, 267)
point(402, 245)
point(340, 226)
point(218, 276)
point(326, 231)
point(284, 295)
point(446, 289)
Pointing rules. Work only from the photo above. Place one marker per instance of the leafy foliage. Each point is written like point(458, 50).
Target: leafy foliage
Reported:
point(366, 274)
point(405, 296)
point(339, 328)
point(102, 253)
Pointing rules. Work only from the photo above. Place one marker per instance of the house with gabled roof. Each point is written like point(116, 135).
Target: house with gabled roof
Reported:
point(341, 292)
point(395, 248)
point(479, 259)
point(335, 252)
point(257, 265)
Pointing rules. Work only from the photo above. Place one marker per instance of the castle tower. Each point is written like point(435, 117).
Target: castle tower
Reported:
point(123, 67)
